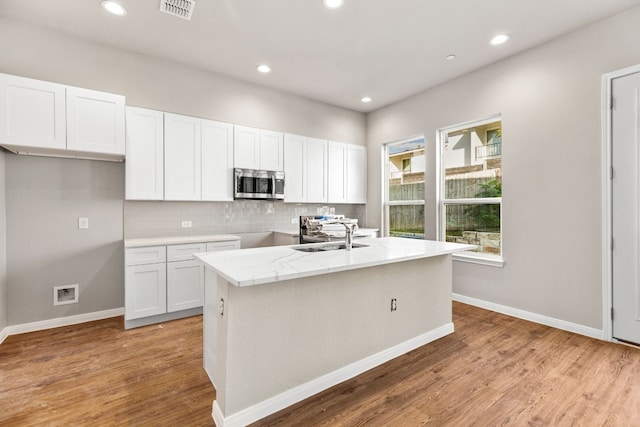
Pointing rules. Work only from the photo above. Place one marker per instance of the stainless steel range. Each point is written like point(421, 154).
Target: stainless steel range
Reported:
point(326, 228)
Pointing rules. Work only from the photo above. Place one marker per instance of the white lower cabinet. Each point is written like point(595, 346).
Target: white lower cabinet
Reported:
point(163, 281)
point(185, 285)
point(185, 277)
point(145, 282)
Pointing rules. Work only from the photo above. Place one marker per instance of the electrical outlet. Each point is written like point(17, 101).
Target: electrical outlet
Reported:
point(186, 224)
point(394, 304)
point(83, 223)
point(294, 220)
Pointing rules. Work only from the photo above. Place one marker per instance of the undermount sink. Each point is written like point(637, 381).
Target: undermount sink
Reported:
point(328, 247)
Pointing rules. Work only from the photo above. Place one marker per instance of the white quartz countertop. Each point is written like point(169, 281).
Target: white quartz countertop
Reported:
point(248, 267)
point(178, 240)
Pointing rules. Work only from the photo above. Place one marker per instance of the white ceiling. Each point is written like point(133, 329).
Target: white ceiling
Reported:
point(386, 49)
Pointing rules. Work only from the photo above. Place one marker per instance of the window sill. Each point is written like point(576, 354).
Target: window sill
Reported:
point(475, 258)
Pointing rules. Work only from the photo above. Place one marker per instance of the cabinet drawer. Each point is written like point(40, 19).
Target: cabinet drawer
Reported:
point(145, 255)
point(184, 252)
point(223, 246)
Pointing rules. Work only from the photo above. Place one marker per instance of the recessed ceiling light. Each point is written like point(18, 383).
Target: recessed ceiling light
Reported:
point(333, 4)
point(263, 68)
point(366, 99)
point(499, 39)
point(113, 7)
point(450, 57)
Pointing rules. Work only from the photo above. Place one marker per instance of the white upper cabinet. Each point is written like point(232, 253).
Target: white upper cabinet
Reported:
point(271, 150)
point(305, 169)
point(316, 170)
point(145, 154)
point(246, 147)
point(347, 173)
point(356, 174)
point(217, 161)
point(258, 149)
point(336, 172)
point(182, 154)
point(40, 117)
point(32, 113)
point(294, 170)
point(175, 157)
point(95, 121)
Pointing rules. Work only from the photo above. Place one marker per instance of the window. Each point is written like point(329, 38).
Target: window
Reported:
point(471, 186)
point(404, 188)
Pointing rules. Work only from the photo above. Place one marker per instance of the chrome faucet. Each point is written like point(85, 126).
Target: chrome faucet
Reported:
point(348, 236)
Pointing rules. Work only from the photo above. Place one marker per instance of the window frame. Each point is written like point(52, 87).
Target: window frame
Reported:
point(442, 202)
point(386, 203)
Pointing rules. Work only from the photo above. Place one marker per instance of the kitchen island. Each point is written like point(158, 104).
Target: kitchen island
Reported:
point(281, 325)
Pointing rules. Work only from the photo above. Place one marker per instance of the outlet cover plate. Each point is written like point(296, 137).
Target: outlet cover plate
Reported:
point(83, 223)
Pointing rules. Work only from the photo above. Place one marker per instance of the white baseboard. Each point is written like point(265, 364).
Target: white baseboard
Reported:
point(4, 334)
point(303, 391)
point(532, 317)
point(63, 321)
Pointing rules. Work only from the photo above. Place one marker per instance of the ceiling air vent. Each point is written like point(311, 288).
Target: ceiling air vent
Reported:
point(180, 8)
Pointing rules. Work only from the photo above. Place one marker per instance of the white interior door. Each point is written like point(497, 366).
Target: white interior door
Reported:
point(625, 152)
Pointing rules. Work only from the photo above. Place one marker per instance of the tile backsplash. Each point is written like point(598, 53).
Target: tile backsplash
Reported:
point(161, 218)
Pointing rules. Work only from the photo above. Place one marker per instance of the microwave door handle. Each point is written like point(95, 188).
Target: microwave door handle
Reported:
point(273, 186)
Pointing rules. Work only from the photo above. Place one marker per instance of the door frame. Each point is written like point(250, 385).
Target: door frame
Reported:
point(607, 208)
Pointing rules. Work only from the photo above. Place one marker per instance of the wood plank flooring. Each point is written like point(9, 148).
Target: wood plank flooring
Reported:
point(494, 370)
point(98, 374)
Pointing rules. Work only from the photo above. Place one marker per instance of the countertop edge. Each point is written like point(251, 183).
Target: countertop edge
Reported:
point(319, 269)
point(177, 240)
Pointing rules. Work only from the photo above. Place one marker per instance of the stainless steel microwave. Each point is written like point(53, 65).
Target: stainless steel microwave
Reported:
point(258, 184)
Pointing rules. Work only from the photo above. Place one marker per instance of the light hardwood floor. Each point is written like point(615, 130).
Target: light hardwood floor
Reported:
point(494, 370)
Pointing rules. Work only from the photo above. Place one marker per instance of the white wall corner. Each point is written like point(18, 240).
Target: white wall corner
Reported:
point(532, 317)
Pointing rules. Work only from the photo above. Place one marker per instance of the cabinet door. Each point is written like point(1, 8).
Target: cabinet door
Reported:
point(246, 147)
point(144, 160)
point(185, 285)
point(217, 161)
point(315, 170)
point(356, 174)
point(271, 150)
point(182, 157)
point(294, 169)
point(95, 121)
point(32, 113)
point(336, 176)
point(145, 290)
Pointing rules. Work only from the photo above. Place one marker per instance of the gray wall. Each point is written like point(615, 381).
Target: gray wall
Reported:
point(45, 249)
point(3, 247)
point(44, 199)
point(550, 99)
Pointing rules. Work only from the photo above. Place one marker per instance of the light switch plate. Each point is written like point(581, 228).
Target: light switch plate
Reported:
point(83, 223)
